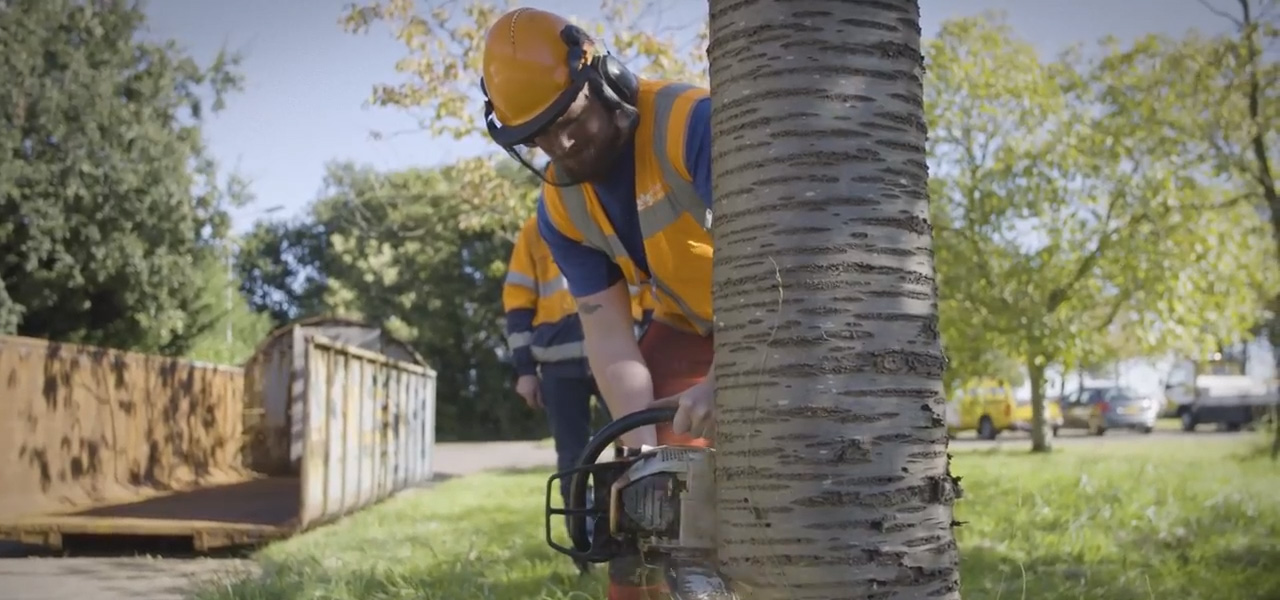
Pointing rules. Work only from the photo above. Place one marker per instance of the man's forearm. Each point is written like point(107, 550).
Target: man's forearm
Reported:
point(614, 356)
point(627, 387)
point(625, 382)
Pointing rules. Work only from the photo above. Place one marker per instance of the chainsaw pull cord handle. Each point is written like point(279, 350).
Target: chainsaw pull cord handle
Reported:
point(595, 447)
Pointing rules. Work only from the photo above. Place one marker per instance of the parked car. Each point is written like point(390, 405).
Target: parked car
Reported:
point(984, 405)
point(1228, 401)
point(1022, 414)
point(1097, 409)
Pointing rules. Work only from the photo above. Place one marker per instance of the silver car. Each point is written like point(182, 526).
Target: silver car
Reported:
point(1100, 408)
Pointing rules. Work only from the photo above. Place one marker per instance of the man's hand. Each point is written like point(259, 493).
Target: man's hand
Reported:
point(695, 409)
point(527, 387)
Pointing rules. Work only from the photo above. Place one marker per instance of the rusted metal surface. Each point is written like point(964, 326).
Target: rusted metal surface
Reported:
point(275, 386)
point(370, 425)
point(268, 375)
point(84, 427)
point(104, 442)
point(227, 515)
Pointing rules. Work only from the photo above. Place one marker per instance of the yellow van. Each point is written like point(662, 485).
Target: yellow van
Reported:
point(984, 405)
point(1052, 414)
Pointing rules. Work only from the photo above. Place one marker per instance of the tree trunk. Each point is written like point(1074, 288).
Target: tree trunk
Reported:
point(832, 469)
point(1041, 441)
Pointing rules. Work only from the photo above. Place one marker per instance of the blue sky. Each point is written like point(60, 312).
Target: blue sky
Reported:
point(307, 80)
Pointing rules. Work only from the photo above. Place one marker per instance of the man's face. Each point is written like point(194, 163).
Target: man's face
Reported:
point(585, 141)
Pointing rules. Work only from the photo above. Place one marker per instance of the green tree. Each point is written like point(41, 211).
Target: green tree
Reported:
point(1237, 82)
point(109, 206)
point(973, 349)
point(282, 268)
point(828, 362)
point(1227, 97)
point(1082, 222)
point(230, 332)
point(408, 251)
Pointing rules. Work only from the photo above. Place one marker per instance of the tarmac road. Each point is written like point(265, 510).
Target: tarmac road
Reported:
point(130, 577)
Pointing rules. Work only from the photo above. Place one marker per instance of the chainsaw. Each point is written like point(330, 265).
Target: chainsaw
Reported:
point(658, 501)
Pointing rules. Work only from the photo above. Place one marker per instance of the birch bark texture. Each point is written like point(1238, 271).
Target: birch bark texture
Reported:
point(833, 476)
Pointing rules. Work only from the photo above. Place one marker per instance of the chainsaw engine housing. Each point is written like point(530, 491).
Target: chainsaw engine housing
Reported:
point(657, 500)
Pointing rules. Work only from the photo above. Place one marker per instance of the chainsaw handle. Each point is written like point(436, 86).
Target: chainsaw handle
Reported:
point(595, 447)
point(619, 427)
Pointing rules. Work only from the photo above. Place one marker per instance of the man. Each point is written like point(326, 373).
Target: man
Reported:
point(545, 337)
point(626, 200)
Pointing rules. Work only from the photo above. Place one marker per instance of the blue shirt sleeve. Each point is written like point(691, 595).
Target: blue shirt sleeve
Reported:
point(697, 149)
point(588, 271)
point(520, 320)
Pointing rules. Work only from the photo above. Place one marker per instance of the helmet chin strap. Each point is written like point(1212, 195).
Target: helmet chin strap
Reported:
point(541, 173)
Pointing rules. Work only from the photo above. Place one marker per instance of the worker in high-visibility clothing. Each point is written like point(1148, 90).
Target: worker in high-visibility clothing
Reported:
point(544, 333)
point(626, 201)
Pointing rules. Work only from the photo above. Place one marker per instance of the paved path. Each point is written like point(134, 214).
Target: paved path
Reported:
point(150, 578)
point(128, 577)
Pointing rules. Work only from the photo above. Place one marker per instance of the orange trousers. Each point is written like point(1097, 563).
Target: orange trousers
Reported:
point(677, 360)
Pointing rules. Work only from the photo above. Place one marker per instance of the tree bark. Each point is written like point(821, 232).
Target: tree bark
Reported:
point(1041, 441)
point(833, 477)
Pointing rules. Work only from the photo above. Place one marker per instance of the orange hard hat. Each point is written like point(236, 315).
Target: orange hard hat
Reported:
point(533, 68)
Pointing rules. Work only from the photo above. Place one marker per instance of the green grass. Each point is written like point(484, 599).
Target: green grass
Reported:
point(1192, 519)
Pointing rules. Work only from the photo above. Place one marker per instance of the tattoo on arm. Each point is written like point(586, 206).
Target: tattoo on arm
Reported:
point(589, 307)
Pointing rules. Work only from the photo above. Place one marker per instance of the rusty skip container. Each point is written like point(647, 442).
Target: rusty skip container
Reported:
point(275, 384)
point(106, 442)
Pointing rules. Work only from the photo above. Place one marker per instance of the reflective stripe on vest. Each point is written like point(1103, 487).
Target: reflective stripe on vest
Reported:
point(547, 288)
point(682, 198)
point(558, 352)
point(519, 340)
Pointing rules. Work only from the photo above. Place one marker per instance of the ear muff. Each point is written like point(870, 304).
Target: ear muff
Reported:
point(622, 86)
point(620, 80)
point(620, 89)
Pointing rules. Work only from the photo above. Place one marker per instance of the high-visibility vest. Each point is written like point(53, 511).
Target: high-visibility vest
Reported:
point(674, 220)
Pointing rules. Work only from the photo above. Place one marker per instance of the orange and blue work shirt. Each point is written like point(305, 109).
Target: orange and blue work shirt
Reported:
point(649, 221)
point(543, 327)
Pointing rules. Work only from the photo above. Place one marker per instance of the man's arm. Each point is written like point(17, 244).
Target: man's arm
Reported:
point(520, 301)
point(614, 354)
point(604, 307)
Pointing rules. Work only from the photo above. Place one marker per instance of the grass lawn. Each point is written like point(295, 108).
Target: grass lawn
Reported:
point(1190, 519)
